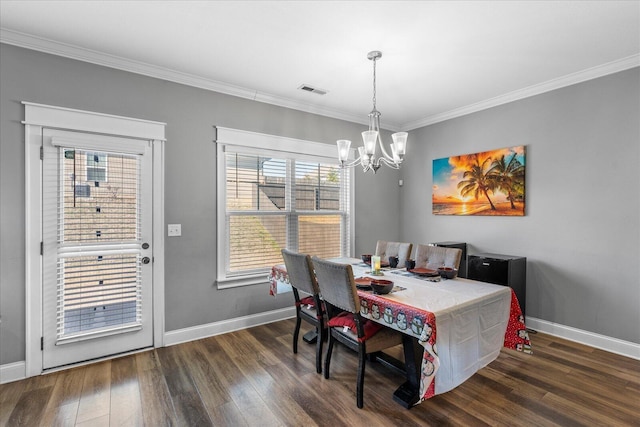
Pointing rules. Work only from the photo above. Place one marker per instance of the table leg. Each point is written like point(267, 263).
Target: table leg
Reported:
point(408, 393)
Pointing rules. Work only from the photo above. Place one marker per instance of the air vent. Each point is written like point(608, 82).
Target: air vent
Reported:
point(312, 89)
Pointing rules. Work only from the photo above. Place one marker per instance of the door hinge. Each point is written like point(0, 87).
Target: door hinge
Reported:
point(41, 248)
point(41, 152)
point(41, 343)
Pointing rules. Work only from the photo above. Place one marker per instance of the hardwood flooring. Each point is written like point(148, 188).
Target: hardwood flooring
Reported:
point(252, 378)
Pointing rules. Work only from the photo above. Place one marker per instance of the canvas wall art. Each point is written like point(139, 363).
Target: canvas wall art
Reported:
point(487, 183)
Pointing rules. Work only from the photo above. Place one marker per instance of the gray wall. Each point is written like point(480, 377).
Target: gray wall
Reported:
point(580, 235)
point(581, 232)
point(191, 297)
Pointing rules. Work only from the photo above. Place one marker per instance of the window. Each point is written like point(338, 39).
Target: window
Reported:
point(97, 268)
point(274, 199)
point(96, 167)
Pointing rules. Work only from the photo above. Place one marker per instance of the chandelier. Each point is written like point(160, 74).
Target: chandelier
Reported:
point(367, 153)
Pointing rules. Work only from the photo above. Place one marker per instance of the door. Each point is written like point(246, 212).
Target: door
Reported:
point(97, 248)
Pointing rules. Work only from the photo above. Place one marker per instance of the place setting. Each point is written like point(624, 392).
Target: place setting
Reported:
point(427, 274)
point(377, 286)
point(377, 266)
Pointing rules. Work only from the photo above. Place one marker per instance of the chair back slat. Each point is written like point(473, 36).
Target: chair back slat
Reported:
point(386, 249)
point(337, 285)
point(437, 256)
point(300, 271)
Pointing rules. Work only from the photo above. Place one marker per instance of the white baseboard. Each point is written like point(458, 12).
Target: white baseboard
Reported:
point(10, 372)
point(224, 326)
point(603, 342)
point(16, 371)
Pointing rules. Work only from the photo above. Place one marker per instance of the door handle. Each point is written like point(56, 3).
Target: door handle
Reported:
point(146, 260)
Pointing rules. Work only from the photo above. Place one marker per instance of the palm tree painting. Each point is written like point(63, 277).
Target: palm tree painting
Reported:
point(487, 183)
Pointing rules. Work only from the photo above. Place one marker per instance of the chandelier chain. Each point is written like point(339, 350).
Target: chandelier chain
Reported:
point(374, 83)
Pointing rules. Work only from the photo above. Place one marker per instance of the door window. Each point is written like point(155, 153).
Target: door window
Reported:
point(100, 287)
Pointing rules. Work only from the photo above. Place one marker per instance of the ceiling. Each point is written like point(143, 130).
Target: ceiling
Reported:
point(441, 59)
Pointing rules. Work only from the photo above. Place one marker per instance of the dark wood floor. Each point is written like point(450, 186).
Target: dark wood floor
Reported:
point(252, 378)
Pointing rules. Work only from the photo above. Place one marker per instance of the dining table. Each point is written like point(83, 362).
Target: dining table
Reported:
point(460, 324)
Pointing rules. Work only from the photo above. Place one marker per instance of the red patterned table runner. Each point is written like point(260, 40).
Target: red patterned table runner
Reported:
point(278, 274)
point(409, 320)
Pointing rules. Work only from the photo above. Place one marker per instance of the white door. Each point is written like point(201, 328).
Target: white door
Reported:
point(97, 249)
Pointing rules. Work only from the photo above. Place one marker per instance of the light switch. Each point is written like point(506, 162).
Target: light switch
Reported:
point(174, 230)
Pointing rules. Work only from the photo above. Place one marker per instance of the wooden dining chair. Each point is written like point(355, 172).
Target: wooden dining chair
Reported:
point(308, 308)
point(433, 257)
point(345, 323)
point(386, 249)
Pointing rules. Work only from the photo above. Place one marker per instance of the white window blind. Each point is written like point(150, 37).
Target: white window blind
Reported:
point(275, 200)
point(98, 234)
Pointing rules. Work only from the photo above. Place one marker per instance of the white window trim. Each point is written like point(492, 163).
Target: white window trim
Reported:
point(255, 143)
point(37, 117)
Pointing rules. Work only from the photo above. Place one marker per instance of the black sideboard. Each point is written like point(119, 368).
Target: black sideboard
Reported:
point(506, 270)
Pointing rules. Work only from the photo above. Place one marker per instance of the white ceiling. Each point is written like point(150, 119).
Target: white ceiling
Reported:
point(440, 59)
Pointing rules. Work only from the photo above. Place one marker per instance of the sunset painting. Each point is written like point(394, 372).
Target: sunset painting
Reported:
point(488, 183)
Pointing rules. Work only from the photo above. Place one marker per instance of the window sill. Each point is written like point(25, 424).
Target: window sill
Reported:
point(239, 281)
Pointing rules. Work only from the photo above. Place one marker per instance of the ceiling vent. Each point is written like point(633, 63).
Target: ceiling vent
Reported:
point(312, 89)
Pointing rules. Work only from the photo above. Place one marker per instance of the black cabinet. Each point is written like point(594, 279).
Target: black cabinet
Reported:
point(504, 270)
point(462, 270)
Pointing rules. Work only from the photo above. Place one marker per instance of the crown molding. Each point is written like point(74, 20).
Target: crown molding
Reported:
point(104, 59)
point(99, 58)
point(568, 80)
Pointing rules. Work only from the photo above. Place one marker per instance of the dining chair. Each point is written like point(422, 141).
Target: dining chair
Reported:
point(345, 323)
point(432, 257)
point(386, 249)
point(309, 308)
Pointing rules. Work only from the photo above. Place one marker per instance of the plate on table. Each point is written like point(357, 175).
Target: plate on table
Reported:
point(363, 283)
point(420, 271)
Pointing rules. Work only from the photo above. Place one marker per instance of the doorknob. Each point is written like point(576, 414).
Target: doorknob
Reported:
point(145, 246)
point(146, 260)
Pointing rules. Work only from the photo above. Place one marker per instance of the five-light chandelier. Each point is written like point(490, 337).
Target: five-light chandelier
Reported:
point(367, 154)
